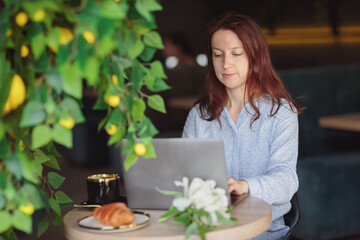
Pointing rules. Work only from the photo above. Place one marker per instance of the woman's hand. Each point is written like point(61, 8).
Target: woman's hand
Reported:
point(238, 187)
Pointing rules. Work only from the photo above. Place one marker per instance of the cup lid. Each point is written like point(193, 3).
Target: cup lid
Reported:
point(104, 177)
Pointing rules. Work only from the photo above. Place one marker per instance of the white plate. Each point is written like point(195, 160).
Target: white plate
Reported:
point(89, 223)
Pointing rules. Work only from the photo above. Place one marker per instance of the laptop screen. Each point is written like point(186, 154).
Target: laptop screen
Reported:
point(176, 158)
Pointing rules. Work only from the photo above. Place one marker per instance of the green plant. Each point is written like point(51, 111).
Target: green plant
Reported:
point(50, 51)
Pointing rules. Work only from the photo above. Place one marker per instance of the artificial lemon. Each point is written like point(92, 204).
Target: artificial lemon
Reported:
point(27, 209)
point(54, 49)
point(140, 149)
point(113, 101)
point(115, 80)
point(65, 36)
point(39, 15)
point(17, 93)
point(21, 19)
point(89, 36)
point(68, 123)
point(7, 108)
point(112, 129)
point(22, 145)
point(9, 32)
point(24, 51)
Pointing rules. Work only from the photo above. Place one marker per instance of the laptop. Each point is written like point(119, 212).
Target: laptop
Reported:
point(176, 158)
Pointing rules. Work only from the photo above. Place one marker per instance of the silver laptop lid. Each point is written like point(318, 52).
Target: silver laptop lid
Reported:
point(176, 158)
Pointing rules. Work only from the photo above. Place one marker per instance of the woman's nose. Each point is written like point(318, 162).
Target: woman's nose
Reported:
point(227, 62)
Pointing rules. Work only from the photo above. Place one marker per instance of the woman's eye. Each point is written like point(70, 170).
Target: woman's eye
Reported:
point(237, 54)
point(217, 55)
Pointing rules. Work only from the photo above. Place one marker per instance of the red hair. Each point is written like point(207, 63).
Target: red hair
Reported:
point(262, 78)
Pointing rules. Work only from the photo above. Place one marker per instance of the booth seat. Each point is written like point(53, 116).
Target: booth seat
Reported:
point(329, 160)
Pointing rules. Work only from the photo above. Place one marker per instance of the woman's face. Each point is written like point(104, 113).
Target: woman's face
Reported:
point(230, 61)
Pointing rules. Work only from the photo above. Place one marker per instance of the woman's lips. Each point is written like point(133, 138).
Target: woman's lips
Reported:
point(228, 75)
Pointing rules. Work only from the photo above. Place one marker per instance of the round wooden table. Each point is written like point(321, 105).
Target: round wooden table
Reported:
point(253, 214)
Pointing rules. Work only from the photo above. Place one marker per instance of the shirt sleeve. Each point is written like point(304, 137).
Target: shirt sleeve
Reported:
point(280, 182)
point(189, 130)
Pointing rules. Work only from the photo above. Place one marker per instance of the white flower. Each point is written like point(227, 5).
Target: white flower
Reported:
point(203, 195)
point(184, 184)
point(181, 203)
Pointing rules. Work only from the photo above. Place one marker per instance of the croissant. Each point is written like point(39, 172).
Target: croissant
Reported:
point(114, 214)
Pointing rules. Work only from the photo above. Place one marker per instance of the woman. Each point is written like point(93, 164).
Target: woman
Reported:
point(249, 109)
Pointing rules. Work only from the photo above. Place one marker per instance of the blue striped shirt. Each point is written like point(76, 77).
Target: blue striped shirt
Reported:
point(264, 155)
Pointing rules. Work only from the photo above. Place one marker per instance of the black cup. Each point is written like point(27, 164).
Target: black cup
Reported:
point(103, 188)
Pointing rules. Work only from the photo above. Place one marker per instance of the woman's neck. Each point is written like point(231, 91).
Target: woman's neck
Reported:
point(236, 102)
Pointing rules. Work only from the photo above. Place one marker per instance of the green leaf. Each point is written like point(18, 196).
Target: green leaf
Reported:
point(153, 39)
point(53, 36)
point(73, 109)
point(3, 179)
point(38, 45)
point(50, 106)
point(62, 135)
point(42, 226)
point(2, 201)
point(100, 103)
point(22, 221)
point(40, 156)
point(113, 10)
point(55, 179)
point(150, 150)
point(54, 79)
point(130, 144)
point(138, 109)
point(183, 218)
point(28, 171)
point(117, 137)
point(5, 84)
point(147, 54)
point(223, 220)
point(62, 198)
point(55, 206)
point(130, 160)
point(147, 129)
point(122, 63)
point(63, 54)
point(42, 64)
point(169, 193)
point(32, 7)
point(10, 192)
point(73, 83)
point(40, 136)
point(91, 71)
point(33, 114)
point(53, 163)
point(116, 117)
point(5, 219)
point(33, 193)
point(4, 148)
point(136, 49)
point(156, 102)
point(157, 70)
point(144, 7)
point(191, 229)
point(107, 45)
point(158, 85)
point(169, 214)
point(137, 76)
point(37, 168)
point(105, 27)
point(14, 165)
point(57, 220)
